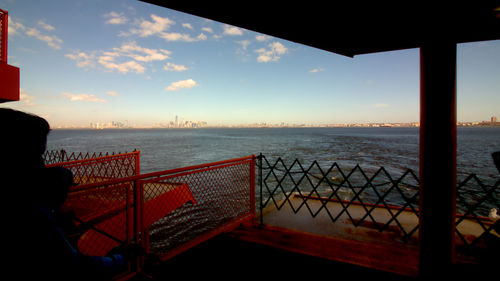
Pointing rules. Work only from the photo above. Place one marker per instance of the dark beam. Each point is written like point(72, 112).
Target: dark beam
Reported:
point(354, 27)
point(437, 166)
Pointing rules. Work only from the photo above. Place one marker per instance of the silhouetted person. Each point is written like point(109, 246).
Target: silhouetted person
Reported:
point(496, 159)
point(491, 257)
point(496, 226)
point(31, 197)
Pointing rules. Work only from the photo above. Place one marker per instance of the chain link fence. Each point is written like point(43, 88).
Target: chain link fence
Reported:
point(375, 199)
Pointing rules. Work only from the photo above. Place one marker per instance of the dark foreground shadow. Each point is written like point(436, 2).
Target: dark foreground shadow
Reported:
point(227, 258)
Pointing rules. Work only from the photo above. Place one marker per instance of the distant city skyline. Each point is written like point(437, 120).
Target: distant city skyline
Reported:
point(188, 124)
point(97, 62)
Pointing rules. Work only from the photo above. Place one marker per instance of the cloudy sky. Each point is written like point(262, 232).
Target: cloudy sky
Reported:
point(102, 61)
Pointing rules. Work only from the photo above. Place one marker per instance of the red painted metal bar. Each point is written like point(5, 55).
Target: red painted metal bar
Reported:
point(129, 216)
point(138, 210)
point(252, 187)
point(97, 159)
point(99, 169)
point(137, 162)
point(394, 207)
point(4, 24)
point(9, 75)
point(161, 173)
point(202, 169)
point(196, 167)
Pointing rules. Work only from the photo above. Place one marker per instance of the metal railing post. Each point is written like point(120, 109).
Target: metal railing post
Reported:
point(138, 219)
point(260, 189)
point(63, 155)
point(137, 162)
point(252, 188)
point(4, 23)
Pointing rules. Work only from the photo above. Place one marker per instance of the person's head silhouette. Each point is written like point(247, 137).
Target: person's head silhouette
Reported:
point(24, 137)
point(22, 142)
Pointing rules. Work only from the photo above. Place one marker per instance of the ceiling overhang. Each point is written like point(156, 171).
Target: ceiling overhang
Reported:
point(356, 27)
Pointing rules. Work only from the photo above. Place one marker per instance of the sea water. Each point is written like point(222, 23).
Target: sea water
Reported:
point(395, 149)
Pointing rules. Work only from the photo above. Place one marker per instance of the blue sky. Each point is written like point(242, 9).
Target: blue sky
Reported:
point(101, 61)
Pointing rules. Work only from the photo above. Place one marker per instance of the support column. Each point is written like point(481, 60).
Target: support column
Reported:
point(437, 167)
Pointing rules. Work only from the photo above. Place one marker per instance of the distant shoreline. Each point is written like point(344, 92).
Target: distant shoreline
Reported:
point(460, 125)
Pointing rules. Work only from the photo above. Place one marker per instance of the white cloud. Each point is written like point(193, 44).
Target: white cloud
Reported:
point(187, 25)
point(53, 41)
point(125, 67)
point(25, 98)
point(83, 97)
point(278, 48)
point(262, 38)
point(174, 67)
point(201, 37)
point(112, 93)
point(182, 84)
point(15, 27)
point(45, 25)
point(142, 54)
point(115, 18)
point(242, 51)
point(244, 44)
point(316, 70)
point(232, 30)
point(175, 36)
point(207, 29)
point(272, 53)
point(264, 58)
point(82, 59)
point(119, 58)
point(158, 25)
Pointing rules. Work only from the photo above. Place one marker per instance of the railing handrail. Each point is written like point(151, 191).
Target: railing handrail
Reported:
point(207, 168)
point(94, 159)
point(395, 207)
point(162, 173)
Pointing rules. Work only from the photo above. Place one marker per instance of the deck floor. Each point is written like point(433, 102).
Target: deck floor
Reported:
point(343, 227)
point(366, 231)
point(291, 245)
point(365, 245)
point(228, 258)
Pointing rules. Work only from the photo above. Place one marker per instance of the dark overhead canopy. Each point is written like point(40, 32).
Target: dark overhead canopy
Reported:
point(354, 27)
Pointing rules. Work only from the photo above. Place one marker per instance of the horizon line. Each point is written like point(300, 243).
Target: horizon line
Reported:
point(304, 125)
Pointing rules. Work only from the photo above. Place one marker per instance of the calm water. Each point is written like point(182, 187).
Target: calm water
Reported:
point(394, 148)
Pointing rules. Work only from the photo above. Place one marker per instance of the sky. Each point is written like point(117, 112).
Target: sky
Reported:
point(91, 61)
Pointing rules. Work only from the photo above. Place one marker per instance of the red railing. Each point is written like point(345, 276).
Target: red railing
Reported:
point(3, 35)
point(9, 75)
point(91, 170)
point(165, 212)
point(61, 155)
